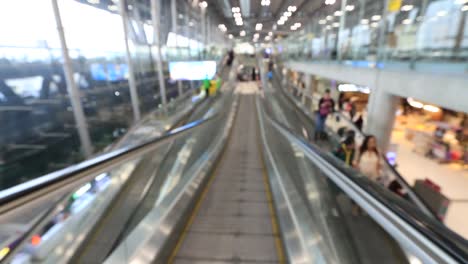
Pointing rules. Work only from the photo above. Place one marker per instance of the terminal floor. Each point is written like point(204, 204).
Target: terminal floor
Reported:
point(453, 180)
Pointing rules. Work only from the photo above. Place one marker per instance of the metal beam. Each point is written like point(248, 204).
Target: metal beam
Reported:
point(245, 7)
point(156, 17)
point(131, 73)
point(174, 18)
point(73, 91)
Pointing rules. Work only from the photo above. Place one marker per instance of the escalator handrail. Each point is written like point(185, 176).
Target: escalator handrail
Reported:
point(415, 196)
point(447, 240)
point(30, 188)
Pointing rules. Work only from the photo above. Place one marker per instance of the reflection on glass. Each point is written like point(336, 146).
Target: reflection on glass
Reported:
point(418, 32)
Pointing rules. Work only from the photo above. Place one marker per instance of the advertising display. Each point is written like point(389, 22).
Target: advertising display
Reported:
point(192, 70)
point(109, 72)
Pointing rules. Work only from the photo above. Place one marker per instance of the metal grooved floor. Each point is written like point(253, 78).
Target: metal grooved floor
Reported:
point(233, 224)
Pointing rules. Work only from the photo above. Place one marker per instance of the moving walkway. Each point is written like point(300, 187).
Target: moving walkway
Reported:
point(236, 185)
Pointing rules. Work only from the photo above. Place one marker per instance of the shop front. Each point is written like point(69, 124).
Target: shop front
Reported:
point(433, 132)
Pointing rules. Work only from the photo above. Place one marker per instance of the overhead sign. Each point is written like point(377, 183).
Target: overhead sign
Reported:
point(192, 70)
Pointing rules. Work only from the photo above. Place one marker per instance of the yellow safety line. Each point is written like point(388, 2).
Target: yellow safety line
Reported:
point(194, 214)
point(274, 222)
point(202, 196)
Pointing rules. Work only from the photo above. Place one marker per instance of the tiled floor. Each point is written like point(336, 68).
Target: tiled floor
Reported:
point(233, 224)
point(452, 179)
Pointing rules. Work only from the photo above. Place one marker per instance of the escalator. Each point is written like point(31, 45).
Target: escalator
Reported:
point(235, 185)
point(234, 220)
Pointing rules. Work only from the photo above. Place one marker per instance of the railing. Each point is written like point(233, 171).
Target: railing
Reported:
point(320, 191)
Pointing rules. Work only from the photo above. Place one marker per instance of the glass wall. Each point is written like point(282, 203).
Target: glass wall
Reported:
point(38, 132)
point(416, 32)
point(97, 49)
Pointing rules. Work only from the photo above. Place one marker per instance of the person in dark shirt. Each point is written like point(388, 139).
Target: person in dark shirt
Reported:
point(326, 106)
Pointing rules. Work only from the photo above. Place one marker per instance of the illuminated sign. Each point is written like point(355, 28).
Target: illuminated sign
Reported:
point(192, 70)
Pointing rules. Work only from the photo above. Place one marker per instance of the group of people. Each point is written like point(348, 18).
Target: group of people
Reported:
point(366, 158)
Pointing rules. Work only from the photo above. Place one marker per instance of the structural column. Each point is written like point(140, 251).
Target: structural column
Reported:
point(73, 92)
point(381, 116)
point(309, 87)
point(203, 30)
point(175, 31)
point(156, 17)
point(131, 72)
point(341, 29)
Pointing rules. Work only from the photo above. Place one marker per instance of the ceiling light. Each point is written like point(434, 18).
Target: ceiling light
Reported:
point(287, 14)
point(130, 7)
point(112, 7)
point(270, 33)
point(293, 28)
point(94, 2)
point(349, 8)
point(464, 8)
point(256, 35)
point(181, 16)
point(376, 18)
point(292, 8)
point(242, 33)
point(280, 22)
point(338, 13)
point(336, 24)
point(322, 21)
point(328, 27)
point(365, 21)
point(203, 4)
point(374, 24)
point(267, 38)
point(237, 15)
point(239, 23)
point(190, 24)
point(406, 7)
point(406, 22)
point(265, 2)
point(431, 108)
point(259, 26)
point(298, 25)
point(330, 2)
point(442, 13)
point(235, 9)
point(329, 18)
point(231, 36)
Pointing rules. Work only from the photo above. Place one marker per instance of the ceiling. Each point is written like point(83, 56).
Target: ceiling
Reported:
point(253, 12)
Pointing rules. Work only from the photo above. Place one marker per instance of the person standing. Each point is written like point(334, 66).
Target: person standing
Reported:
point(369, 160)
point(346, 150)
point(326, 106)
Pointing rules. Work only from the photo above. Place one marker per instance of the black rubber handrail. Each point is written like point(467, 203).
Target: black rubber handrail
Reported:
point(449, 241)
point(28, 188)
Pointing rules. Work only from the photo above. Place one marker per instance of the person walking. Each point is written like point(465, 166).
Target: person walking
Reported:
point(326, 106)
